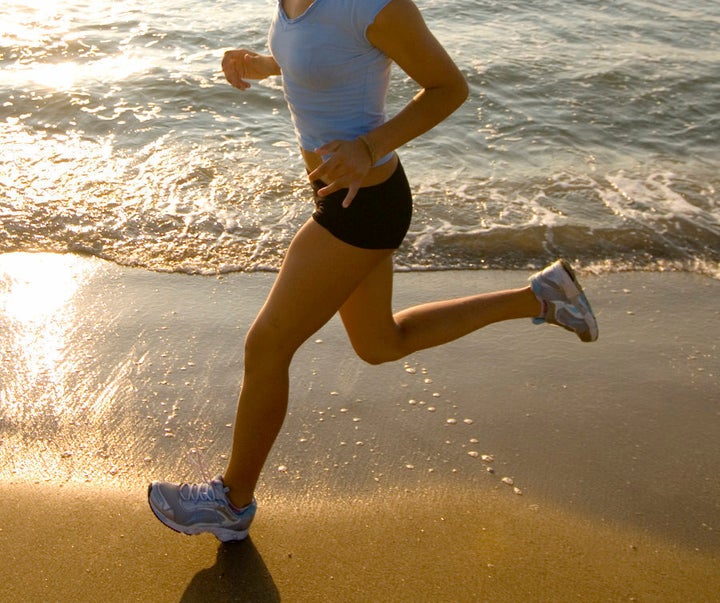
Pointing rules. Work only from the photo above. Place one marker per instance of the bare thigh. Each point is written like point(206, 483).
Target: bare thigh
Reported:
point(368, 316)
point(318, 274)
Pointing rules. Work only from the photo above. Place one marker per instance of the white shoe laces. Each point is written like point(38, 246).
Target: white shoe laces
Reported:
point(196, 460)
point(200, 491)
point(197, 492)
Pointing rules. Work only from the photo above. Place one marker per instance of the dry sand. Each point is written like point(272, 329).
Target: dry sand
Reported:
point(374, 491)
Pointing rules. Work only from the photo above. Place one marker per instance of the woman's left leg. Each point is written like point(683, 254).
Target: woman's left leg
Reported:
point(378, 335)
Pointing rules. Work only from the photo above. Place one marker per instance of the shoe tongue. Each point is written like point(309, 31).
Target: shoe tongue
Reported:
point(218, 488)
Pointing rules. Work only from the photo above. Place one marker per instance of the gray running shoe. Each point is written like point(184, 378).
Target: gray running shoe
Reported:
point(563, 300)
point(198, 508)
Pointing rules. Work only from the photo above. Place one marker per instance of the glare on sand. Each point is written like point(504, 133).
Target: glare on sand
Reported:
point(36, 292)
point(59, 400)
point(51, 406)
point(37, 318)
point(37, 287)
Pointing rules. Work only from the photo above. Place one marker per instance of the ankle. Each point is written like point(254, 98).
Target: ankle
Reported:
point(536, 305)
point(238, 508)
point(237, 498)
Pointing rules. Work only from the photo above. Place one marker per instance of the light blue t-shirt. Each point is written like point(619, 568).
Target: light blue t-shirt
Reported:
point(333, 78)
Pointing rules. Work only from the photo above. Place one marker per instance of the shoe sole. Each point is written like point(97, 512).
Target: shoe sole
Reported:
point(222, 534)
point(580, 300)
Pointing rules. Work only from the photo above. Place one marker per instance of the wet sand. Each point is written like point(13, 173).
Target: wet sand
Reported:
point(377, 489)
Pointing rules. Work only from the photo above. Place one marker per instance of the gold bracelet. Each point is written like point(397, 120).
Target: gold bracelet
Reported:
point(370, 150)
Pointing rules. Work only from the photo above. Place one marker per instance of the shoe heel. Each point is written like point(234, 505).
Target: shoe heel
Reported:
point(572, 289)
point(224, 535)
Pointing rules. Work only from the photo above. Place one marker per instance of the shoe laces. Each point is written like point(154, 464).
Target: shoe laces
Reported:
point(205, 489)
point(197, 462)
point(198, 492)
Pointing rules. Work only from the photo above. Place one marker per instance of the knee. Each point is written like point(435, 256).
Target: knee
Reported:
point(378, 346)
point(265, 347)
point(375, 353)
point(372, 357)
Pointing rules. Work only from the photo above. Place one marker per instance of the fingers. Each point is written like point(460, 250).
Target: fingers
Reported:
point(346, 167)
point(233, 66)
point(352, 191)
point(332, 185)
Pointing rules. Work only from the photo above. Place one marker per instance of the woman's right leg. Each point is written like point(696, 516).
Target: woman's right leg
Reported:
point(317, 276)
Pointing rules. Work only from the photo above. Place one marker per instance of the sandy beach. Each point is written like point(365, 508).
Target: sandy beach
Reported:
point(517, 464)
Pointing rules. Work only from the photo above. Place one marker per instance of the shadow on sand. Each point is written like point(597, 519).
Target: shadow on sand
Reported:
point(239, 574)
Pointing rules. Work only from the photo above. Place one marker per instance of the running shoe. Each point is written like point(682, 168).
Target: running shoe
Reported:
point(198, 508)
point(563, 300)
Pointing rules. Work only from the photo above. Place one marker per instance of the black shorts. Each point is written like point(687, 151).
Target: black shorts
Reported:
point(378, 217)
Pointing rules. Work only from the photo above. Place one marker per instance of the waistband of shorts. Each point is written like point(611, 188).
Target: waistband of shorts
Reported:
point(399, 171)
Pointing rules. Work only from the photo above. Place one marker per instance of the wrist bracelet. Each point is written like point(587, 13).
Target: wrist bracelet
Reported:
point(370, 150)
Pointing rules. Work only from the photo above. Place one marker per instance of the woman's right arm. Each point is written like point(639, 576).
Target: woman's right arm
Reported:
point(242, 65)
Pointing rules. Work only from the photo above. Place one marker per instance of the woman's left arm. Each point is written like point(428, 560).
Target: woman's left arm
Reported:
point(400, 32)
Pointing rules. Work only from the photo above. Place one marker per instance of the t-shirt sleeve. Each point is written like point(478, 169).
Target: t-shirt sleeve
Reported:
point(364, 13)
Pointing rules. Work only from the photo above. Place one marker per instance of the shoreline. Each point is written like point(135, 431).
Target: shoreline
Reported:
point(369, 494)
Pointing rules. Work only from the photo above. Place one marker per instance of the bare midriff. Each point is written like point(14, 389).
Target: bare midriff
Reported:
point(376, 175)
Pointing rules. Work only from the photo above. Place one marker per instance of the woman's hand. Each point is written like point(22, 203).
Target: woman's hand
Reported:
point(347, 166)
point(242, 65)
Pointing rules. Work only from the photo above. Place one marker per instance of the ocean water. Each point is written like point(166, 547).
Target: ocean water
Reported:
point(591, 132)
